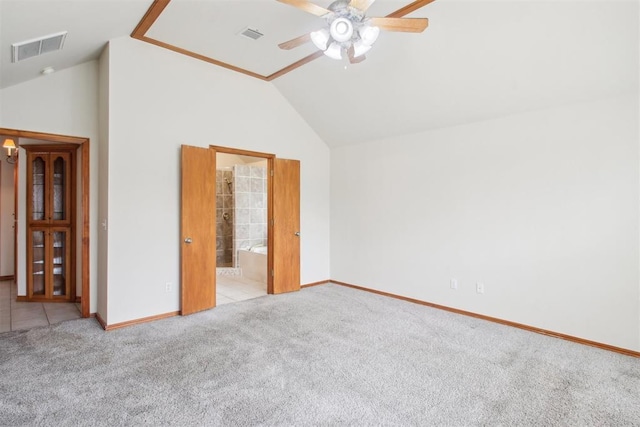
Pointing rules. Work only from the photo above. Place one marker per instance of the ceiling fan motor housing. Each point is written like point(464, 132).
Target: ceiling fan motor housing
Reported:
point(341, 30)
point(345, 22)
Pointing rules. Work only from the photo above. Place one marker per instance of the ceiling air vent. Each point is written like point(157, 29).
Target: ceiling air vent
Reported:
point(30, 48)
point(251, 33)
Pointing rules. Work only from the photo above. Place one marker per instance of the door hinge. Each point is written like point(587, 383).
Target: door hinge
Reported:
point(271, 172)
point(271, 273)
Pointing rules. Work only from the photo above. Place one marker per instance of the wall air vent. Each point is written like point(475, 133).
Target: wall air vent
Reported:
point(251, 33)
point(34, 47)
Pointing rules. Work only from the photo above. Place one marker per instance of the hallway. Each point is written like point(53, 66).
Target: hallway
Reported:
point(26, 315)
point(16, 316)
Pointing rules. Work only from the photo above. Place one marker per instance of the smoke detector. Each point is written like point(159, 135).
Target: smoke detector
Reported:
point(34, 47)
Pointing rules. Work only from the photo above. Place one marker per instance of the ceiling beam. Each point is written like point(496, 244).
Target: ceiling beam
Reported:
point(202, 57)
point(149, 18)
point(295, 65)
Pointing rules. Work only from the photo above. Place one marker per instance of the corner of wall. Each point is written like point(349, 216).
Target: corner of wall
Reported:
point(102, 234)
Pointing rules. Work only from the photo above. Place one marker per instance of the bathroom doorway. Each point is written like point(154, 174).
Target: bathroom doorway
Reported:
point(242, 201)
point(198, 228)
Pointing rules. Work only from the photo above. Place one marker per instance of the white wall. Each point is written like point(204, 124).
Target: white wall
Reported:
point(542, 207)
point(64, 103)
point(159, 100)
point(6, 216)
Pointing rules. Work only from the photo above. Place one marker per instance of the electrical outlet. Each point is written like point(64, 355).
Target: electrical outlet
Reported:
point(167, 287)
point(480, 288)
point(454, 284)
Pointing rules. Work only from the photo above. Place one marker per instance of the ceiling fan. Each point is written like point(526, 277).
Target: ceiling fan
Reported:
point(348, 29)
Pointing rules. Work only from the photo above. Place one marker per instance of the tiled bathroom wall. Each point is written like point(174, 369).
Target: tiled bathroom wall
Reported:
point(250, 191)
point(224, 218)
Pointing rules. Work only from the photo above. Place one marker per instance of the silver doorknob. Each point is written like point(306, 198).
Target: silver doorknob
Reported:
point(188, 240)
point(297, 233)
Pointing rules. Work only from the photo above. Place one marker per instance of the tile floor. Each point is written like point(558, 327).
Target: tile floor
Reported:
point(237, 288)
point(26, 315)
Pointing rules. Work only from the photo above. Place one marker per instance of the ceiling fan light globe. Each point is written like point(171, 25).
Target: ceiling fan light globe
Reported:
point(369, 34)
point(360, 48)
point(341, 29)
point(320, 38)
point(334, 51)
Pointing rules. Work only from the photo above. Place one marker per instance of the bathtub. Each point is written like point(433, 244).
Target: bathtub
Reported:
point(253, 263)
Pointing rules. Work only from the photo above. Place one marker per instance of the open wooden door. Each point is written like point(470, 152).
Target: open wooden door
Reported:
point(286, 226)
point(198, 230)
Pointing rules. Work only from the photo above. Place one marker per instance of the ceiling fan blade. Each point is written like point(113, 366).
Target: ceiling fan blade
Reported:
point(352, 58)
point(307, 7)
point(408, 25)
point(363, 5)
point(298, 41)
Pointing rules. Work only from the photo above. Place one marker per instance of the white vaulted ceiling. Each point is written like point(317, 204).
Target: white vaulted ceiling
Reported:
point(90, 24)
point(478, 59)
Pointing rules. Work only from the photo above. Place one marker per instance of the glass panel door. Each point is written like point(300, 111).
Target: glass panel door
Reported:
point(59, 264)
point(38, 189)
point(38, 262)
point(59, 188)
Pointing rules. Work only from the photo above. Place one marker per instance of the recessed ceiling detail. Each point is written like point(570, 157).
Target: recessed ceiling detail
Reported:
point(210, 25)
point(34, 47)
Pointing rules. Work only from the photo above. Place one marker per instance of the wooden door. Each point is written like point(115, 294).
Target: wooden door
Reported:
point(198, 230)
point(49, 182)
point(59, 269)
point(60, 192)
point(48, 263)
point(38, 254)
point(50, 251)
point(286, 226)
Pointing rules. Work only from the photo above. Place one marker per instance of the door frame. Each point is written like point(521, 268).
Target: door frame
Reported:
point(269, 157)
point(84, 159)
